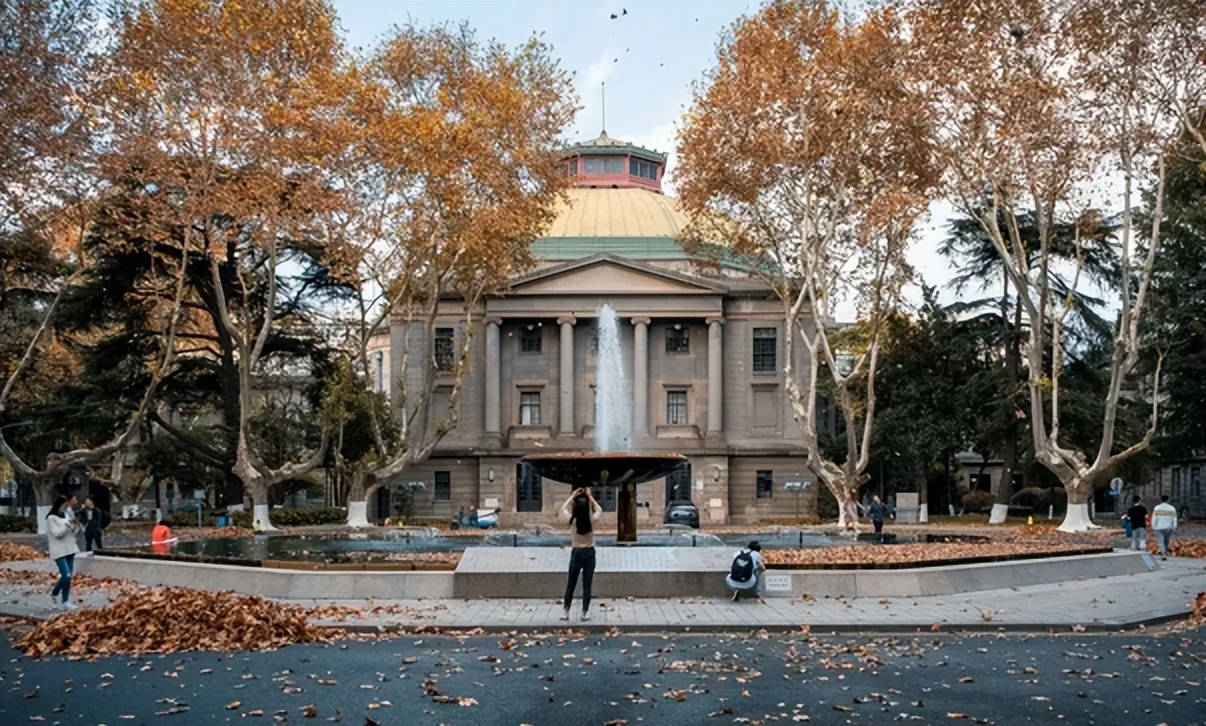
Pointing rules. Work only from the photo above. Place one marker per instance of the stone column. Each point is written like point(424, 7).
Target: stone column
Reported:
point(566, 423)
point(640, 377)
point(715, 376)
point(493, 377)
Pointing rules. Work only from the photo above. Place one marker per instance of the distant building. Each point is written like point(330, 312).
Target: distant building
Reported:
point(703, 356)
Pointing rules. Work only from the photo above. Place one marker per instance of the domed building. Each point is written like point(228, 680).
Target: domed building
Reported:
point(702, 348)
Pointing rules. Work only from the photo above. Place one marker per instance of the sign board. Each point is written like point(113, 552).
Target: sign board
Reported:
point(1116, 486)
point(491, 502)
point(778, 582)
point(198, 494)
point(797, 486)
point(699, 484)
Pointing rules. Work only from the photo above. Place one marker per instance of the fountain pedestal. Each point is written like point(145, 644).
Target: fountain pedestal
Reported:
point(616, 469)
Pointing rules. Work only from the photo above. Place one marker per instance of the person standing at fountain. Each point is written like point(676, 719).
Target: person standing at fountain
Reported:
point(876, 512)
point(61, 541)
point(582, 510)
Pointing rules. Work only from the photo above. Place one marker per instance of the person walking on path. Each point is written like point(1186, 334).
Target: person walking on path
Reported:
point(582, 510)
point(746, 573)
point(1164, 521)
point(1138, 516)
point(95, 521)
point(877, 511)
point(61, 540)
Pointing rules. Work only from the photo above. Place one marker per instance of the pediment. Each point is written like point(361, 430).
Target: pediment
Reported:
point(609, 276)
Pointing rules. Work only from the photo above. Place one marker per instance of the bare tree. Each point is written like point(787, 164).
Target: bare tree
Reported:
point(453, 178)
point(807, 151)
point(1038, 102)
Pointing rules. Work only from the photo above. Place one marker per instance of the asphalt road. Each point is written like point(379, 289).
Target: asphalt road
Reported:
point(631, 679)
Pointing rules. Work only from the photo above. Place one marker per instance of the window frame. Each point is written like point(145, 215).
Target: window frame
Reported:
point(524, 406)
point(444, 360)
point(764, 484)
point(678, 341)
point(676, 407)
point(758, 362)
point(529, 337)
point(439, 487)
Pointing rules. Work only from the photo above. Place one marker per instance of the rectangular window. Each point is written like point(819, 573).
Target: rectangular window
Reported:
point(442, 350)
point(529, 493)
point(531, 339)
point(529, 408)
point(570, 169)
point(677, 340)
point(765, 484)
point(443, 486)
point(676, 408)
point(643, 169)
point(603, 164)
point(1195, 481)
point(766, 346)
point(678, 484)
point(1176, 484)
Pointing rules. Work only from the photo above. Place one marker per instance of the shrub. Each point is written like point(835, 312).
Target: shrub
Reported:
point(978, 502)
point(13, 523)
point(1032, 497)
point(305, 517)
point(827, 507)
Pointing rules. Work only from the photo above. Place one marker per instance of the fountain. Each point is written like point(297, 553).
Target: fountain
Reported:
point(612, 463)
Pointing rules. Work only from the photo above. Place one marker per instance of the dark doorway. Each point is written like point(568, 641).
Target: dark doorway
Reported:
point(678, 484)
point(383, 504)
point(529, 489)
point(606, 497)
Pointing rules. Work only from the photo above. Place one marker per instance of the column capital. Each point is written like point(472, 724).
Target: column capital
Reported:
point(714, 320)
point(640, 320)
point(492, 320)
point(567, 320)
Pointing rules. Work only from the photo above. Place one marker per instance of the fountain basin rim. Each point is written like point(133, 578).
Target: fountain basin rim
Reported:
point(583, 467)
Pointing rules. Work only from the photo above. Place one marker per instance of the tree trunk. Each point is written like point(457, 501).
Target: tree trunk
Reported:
point(359, 491)
point(260, 506)
point(846, 494)
point(1009, 455)
point(44, 494)
point(1076, 518)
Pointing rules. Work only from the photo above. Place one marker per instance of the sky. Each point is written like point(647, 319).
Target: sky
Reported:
point(649, 60)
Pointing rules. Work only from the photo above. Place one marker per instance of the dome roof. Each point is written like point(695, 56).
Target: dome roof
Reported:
point(615, 213)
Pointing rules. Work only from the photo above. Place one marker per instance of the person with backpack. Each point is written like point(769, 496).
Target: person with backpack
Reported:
point(582, 510)
point(1164, 521)
point(95, 521)
point(61, 541)
point(746, 573)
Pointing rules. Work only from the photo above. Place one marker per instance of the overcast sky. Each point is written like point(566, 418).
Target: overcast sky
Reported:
point(648, 58)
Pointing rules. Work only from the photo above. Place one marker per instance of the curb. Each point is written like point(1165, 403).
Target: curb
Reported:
point(831, 629)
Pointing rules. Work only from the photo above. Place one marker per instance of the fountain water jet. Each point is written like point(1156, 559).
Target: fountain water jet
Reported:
point(612, 463)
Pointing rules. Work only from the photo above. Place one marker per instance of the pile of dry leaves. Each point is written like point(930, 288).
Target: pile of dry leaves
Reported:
point(1181, 547)
point(173, 620)
point(916, 554)
point(13, 552)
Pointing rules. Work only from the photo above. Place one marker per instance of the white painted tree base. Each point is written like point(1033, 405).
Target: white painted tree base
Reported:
point(1077, 519)
point(999, 513)
point(43, 510)
point(260, 520)
point(923, 514)
point(358, 514)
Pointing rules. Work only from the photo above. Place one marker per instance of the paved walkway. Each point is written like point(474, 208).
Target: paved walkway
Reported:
point(1100, 604)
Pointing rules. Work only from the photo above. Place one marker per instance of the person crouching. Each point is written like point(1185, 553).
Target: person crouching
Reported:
point(746, 574)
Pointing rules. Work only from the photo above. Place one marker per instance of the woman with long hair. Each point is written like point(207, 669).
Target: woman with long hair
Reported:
point(582, 510)
point(61, 537)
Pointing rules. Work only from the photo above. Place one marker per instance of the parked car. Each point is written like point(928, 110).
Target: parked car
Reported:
point(682, 512)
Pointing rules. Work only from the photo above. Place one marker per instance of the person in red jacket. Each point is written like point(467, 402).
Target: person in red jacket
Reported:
point(161, 538)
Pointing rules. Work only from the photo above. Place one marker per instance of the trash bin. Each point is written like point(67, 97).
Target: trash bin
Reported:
point(222, 521)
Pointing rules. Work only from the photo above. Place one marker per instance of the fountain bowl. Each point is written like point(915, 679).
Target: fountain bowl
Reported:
point(604, 468)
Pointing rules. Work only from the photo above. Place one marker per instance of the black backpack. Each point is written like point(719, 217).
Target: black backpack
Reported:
point(743, 567)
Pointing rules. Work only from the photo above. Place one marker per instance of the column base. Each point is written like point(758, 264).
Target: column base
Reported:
point(626, 518)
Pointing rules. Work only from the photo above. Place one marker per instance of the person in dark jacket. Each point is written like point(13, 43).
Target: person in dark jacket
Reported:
point(1138, 516)
point(877, 511)
point(94, 524)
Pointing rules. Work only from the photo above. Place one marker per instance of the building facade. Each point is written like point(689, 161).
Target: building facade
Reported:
point(703, 357)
